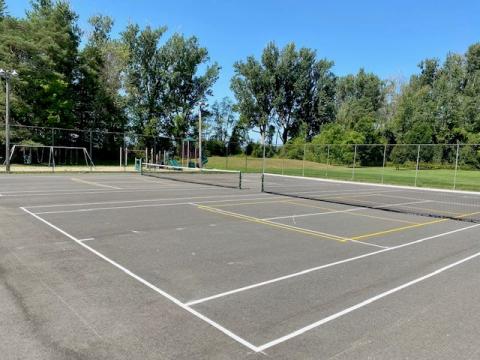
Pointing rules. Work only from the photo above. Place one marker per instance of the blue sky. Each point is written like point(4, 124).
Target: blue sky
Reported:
point(388, 38)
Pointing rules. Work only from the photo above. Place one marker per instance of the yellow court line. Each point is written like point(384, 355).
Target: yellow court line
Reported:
point(358, 214)
point(274, 224)
point(412, 226)
point(468, 214)
point(397, 229)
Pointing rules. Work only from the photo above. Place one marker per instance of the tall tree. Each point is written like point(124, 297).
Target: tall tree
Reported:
point(252, 85)
point(3, 9)
point(145, 77)
point(222, 119)
point(185, 85)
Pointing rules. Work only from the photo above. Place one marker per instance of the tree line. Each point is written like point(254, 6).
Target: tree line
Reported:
point(151, 83)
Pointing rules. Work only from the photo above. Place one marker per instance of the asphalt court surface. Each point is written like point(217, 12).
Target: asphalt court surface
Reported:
point(162, 270)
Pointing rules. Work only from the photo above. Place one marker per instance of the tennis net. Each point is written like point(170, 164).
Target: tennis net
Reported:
point(446, 204)
point(213, 177)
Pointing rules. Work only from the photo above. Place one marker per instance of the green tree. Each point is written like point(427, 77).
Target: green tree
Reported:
point(145, 78)
point(185, 85)
point(252, 85)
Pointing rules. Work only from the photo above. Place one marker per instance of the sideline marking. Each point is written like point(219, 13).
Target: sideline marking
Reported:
point(126, 207)
point(150, 285)
point(364, 303)
point(151, 200)
point(321, 267)
point(130, 190)
point(95, 183)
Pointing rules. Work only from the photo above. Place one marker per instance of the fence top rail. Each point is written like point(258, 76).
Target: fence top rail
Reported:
point(49, 146)
point(123, 133)
point(310, 144)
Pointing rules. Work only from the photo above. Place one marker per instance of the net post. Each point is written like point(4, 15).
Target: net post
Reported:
point(354, 161)
point(418, 164)
point(240, 180)
point(384, 163)
point(456, 167)
point(303, 160)
point(263, 182)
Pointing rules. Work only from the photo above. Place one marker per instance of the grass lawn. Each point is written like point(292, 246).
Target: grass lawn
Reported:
point(437, 178)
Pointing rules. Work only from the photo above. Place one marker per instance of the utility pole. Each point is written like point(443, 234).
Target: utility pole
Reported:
point(7, 75)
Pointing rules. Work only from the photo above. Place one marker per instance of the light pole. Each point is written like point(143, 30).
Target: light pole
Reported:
point(7, 75)
point(200, 160)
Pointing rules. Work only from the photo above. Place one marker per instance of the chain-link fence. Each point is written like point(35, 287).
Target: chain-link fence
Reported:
point(455, 166)
point(34, 148)
point(424, 165)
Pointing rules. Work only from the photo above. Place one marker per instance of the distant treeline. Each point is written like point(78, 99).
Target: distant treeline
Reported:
point(149, 83)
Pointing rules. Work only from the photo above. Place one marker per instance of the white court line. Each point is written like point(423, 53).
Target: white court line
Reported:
point(231, 198)
point(150, 285)
point(133, 206)
point(50, 193)
point(241, 197)
point(345, 211)
point(321, 267)
point(95, 183)
point(311, 214)
point(364, 303)
point(368, 244)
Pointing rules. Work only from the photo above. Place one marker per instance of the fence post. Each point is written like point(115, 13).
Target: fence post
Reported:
point(264, 151)
point(303, 160)
point(418, 165)
point(328, 160)
point(52, 141)
point(125, 160)
point(91, 145)
point(354, 161)
point(384, 162)
point(226, 158)
point(456, 167)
